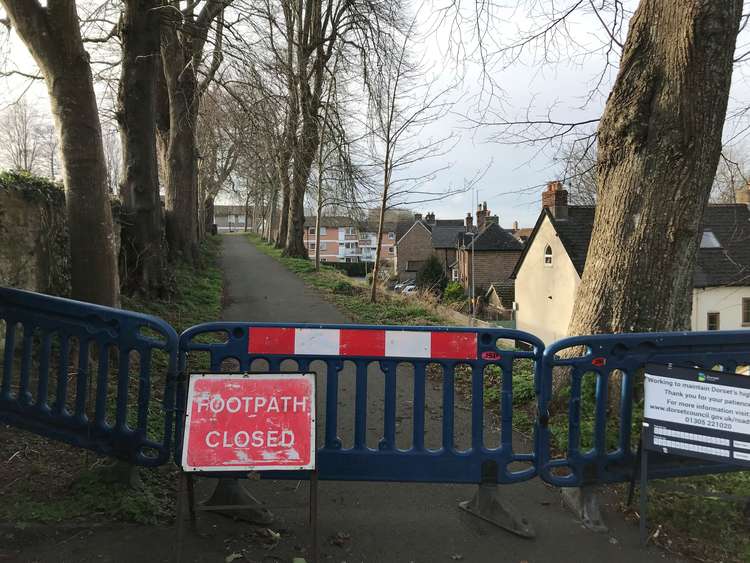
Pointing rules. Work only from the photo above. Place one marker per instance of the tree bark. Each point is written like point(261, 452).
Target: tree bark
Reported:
point(659, 143)
point(142, 231)
point(53, 37)
point(180, 172)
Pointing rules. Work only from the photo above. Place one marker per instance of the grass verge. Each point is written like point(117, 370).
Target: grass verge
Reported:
point(353, 298)
point(45, 481)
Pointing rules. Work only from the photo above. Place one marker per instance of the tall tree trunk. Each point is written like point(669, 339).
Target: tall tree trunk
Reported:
point(378, 246)
point(208, 214)
point(53, 37)
point(142, 231)
point(658, 149)
point(180, 173)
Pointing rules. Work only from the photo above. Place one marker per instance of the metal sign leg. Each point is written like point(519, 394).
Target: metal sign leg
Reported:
point(314, 516)
point(644, 496)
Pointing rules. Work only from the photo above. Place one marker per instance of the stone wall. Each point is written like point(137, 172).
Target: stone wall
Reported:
point(34, 252)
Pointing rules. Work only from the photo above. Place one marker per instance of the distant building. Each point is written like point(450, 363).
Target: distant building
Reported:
point(485, 255)
point(344, 239)
point(230, 218)
point(426, 237)
point(549, 271)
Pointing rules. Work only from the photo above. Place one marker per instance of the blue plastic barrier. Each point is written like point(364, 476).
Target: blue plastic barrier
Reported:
point(626, 354)
point(48, 385)
point(337, 345)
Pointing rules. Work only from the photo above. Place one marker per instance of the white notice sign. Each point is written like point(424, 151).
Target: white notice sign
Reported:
point(696, 403)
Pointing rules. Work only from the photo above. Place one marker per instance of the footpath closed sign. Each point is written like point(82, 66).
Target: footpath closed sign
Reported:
point(697, 413)
point(249, 422)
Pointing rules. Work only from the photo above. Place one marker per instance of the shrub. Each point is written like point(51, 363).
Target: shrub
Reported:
point(431, 276)
point(343, 288)
point(454, 291)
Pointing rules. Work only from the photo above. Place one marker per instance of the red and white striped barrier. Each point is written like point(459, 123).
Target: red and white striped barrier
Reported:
point(362, 342)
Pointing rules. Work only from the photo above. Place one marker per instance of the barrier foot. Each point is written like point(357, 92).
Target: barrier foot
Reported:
point(231, 499)
point(584, 503)
point(486, 504)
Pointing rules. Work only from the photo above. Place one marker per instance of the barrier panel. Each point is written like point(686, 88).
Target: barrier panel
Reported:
point(604, 374)
point(83, 374)
point(383, 362)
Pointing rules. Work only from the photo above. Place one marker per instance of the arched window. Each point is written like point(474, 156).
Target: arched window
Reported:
point(548, 256)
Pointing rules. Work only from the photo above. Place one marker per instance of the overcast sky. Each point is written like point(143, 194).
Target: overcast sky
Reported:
point(513, 182)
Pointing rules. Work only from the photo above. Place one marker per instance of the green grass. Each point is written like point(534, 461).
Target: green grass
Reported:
point(352, 298)
point(47, 481)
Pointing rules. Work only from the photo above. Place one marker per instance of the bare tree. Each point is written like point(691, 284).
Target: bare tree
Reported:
point(184, 35)
point(143, 226)
point(53, 37)
point(19, 137)
point(399, 113)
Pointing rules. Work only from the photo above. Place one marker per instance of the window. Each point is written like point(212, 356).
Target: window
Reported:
point(548, 256)
point(712, 321)
point(322, 231)
point(709, 240)
point(390, 250)
point(323, 245)
point(312, 246)
point(454, 274)
point(392, 236)
point(350, 230)
point(311, 230)
point(746, 311)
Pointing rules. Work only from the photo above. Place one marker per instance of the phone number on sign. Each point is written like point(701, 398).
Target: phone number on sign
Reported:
point(708, 423)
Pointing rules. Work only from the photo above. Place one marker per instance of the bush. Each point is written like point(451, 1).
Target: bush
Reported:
point(454, 291)
point(352, 269)
point(343, 288)
point(431, 276)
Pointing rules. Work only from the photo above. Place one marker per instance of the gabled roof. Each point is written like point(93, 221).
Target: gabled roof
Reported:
point(416, 224)
point(728, 265)
point(506, 290)
point(446, 236)
point(493, 237)
point(330, 221)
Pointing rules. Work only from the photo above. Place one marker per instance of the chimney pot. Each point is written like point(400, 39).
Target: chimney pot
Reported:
point(469, 221)
point(482, 214)
point(555, 198)
point(417, 216)
point(515, 225)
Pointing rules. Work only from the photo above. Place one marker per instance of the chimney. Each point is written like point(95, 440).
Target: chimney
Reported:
point(555, 198)
point(491, 219)
point(469, 221)
point(482, 214)
point(743, 195)
point(417, 216)
point(430, 218)
point(515, 225)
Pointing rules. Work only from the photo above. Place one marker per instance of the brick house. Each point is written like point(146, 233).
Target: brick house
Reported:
point(490, 252)
point(426, 237)
point(339, 238)
point(344, 239)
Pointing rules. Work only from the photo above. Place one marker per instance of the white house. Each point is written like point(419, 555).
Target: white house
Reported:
point(549, 271)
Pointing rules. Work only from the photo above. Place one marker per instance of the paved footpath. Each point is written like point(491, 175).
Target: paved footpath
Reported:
point(367, 522)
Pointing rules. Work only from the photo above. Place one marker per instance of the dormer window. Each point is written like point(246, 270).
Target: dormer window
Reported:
point(709, 240)
point(548, 256)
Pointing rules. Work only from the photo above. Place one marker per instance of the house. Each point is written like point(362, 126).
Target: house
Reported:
point(549, 271)
point(426, 237)
point(485, 255)
point(522, 234)
point(230, 217)
point(339, 238)
point(499, 300)
point(344, 239)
